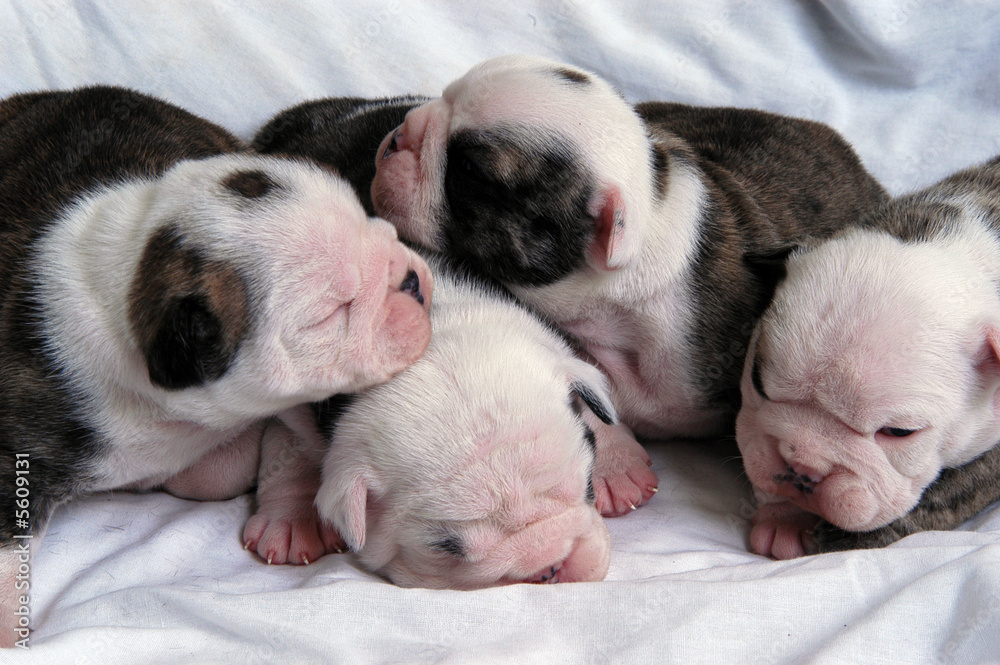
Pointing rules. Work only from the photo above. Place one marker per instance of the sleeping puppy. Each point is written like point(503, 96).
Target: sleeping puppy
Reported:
point(163, 295)
point(631, 228)
point(344, 134)
point(472, 467)
point(876, 366)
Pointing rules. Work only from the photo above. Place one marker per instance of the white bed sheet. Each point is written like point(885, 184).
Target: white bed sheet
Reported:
point(128, 578)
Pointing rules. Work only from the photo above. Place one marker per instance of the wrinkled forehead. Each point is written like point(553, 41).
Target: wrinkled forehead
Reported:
point(508, 487)
point(857, 331)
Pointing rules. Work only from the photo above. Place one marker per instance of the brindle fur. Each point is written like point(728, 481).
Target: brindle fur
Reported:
point(54, 147)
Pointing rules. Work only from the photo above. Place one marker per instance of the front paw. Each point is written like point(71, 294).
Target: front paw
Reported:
point(782, 530)
point(830, 538)
point(289, 537)
point(622, 478)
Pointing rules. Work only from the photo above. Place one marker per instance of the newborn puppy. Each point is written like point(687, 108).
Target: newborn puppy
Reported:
point(163, 295)
point(339, 132)
point(631, 228)
point(344, 134)
point(472, 467)
point(878, 365)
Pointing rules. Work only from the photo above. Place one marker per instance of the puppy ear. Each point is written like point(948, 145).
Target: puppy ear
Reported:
point(343, 500)
point(611, 247)
point(188, 348)
point(988, 363)
point(770, 269)
point(188, 315)
point(587, 383)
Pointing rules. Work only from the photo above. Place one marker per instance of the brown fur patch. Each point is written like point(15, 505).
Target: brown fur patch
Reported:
point(250, 184)
point(572, 76)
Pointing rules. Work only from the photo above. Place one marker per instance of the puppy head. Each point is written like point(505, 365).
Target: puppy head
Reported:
point(263, 278)
point(525, 168)
point(472, 469)
point(875, 366)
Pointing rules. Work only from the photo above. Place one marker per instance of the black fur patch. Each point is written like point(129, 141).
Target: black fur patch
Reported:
point(250, 184)
point(566, 74)
point(772, 181)
point(660, 162)
point(342, 133)
point(516, 205)
point(601, 409)
point(451, 545)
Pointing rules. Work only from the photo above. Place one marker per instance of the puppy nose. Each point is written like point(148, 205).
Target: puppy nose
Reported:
point(801, 477)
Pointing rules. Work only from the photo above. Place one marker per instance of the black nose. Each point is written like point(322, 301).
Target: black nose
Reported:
point(411, 285)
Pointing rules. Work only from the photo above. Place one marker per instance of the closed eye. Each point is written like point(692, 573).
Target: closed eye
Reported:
point(758, 383)
point(450, 545)
point(897, 432)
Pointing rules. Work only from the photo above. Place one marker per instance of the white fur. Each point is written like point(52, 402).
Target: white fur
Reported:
point(633, 314)
point(866, 333)
point(477, 439)
point(307, 252)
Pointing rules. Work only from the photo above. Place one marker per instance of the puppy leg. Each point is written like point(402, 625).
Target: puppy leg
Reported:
point(286, 527)
point(957, 495)
point(224, 473)
point(622, 478)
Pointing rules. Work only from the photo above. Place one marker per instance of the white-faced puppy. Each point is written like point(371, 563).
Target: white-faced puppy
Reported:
point(877, 365)
point(630, 227)
point(163, 295)
point(344, 134)
point(472, 467)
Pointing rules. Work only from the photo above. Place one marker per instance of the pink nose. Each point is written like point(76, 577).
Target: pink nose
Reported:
point(801, 477)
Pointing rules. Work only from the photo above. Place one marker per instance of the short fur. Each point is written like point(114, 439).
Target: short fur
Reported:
point(473, 467)
point(877, 366)
point(337, 132)
point(634, 229)
point(164, 292)
point(344, 135)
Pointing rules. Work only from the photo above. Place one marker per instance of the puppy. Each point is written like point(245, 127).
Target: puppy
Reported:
point(876, 366)
point(164, 294)
point(632, 228)
point(344, 134)
point(472, 467)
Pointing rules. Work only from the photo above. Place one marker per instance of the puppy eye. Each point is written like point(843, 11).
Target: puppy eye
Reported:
point(755, 379)
point(896, 432)
point(450, 545)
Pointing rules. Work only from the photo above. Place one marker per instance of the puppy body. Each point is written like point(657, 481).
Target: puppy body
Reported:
point(164, 294)
point(631, 228)
point(344, 134)
point(473, 467)
point(877, 366)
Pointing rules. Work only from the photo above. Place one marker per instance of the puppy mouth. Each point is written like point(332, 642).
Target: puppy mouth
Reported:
point(800, 481)
point(548, 576)
point(411, 285)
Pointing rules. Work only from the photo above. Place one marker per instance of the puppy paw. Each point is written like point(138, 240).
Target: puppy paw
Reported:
point(295, 539)
point(622, 478)
point(782, 531)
